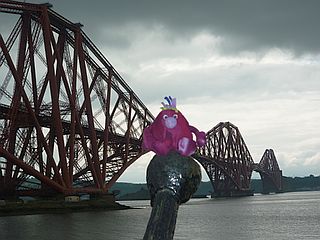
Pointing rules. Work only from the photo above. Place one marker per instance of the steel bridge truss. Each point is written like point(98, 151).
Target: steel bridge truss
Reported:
point(229, 165)
point(226, 160)
point(68, 121)
point(270, 172)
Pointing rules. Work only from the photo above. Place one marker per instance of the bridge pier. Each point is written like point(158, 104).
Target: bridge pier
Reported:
point(268, 186)
point(243, 193)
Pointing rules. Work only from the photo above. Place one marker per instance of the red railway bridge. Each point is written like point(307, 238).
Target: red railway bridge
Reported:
point(69, 123)
point(229, 165)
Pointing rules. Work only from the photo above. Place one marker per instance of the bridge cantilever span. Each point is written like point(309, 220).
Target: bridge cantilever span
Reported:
point(229, 164)
point(227, 160)
point(67, 117)
point(270, 172)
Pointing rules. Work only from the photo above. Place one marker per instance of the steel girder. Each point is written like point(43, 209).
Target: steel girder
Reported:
point(69, 123)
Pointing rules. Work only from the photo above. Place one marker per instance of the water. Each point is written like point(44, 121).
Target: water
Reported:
point(280, 216)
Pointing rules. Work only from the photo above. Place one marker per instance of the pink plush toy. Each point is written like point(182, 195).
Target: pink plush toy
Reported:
point(171, 131)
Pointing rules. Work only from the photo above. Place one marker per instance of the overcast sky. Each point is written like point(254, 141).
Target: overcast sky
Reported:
point(253, 63)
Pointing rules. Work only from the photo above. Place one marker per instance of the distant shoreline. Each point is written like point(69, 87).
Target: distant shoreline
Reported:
point(57, 207)
point(139, 191)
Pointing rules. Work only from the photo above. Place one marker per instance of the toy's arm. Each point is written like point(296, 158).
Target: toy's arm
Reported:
point(201, 136)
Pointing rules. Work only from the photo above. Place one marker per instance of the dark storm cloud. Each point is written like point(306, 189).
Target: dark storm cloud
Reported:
point(245, 24)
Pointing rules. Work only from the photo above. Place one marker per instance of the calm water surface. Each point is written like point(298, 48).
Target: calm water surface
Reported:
point(272, 217)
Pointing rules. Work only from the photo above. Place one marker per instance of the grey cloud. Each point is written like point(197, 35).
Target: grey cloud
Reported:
point(247, 83)
point(246, 25)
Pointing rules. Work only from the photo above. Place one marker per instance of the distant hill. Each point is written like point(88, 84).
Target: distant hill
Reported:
point(310, 183)
point(139, 191)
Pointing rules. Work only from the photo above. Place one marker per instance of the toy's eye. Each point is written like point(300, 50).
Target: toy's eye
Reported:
point(175, 116)
point(165, 117)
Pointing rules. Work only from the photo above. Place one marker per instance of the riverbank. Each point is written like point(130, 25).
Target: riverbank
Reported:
point(13, 208)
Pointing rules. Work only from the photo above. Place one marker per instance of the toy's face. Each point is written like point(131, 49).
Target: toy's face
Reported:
point(170, 119)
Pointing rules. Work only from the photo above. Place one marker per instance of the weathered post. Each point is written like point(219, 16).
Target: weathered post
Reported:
point(171, 179)
point(172, 175)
